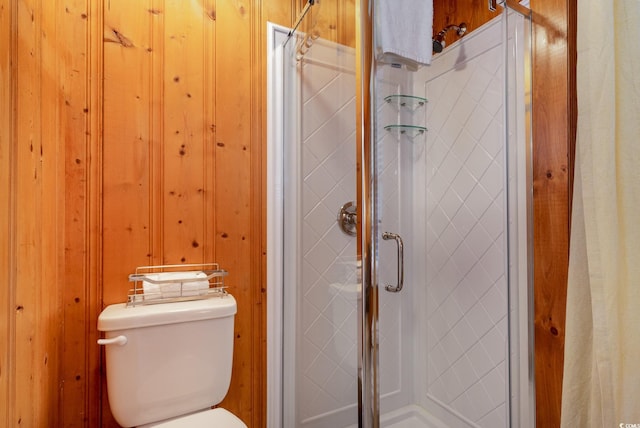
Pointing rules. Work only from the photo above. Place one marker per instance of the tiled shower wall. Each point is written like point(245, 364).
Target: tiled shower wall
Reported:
point(463, 185)
point(444, 193)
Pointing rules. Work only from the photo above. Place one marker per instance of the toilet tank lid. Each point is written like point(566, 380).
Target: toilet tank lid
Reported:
point(121, 317)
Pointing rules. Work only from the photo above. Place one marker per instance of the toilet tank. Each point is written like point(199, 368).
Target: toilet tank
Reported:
point(176, 360)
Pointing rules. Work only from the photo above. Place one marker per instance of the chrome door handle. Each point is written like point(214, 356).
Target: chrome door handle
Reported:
point(386, 236)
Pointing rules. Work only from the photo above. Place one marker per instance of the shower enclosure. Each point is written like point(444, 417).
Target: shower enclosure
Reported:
point(399, 272)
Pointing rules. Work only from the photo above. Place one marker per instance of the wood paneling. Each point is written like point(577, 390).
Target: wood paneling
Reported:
point(233, 177)
point(47, 362)
point(553, 138)
point(88, 412)
point(30, 399)
point(130, 134)
point(7, 217)
point(77, 295)
point(333, 20)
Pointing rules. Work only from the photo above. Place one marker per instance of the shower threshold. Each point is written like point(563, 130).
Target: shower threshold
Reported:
point(411, 416)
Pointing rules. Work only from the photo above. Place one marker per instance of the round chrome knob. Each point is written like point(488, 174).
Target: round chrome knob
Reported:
point(348, 219)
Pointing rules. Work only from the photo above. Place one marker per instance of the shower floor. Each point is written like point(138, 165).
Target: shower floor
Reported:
point(409, 417)
point(412, 422)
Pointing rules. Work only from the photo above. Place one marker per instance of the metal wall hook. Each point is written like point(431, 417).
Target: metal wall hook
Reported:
point(348, 219)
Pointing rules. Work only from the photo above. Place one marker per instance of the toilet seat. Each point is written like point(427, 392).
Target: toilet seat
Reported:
point(211, 418)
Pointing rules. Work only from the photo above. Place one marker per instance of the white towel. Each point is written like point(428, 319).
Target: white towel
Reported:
point(178, 284)
point(404, 31)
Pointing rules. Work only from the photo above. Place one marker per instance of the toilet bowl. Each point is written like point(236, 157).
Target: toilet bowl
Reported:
point(167, 364)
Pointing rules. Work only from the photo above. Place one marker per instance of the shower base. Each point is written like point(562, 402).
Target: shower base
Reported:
point(409, 417)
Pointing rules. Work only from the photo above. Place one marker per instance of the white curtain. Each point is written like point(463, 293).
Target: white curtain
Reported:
point(602, 350)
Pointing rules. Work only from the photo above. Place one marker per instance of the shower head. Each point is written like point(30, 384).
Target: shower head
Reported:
point(438, 45)
point(439, 40)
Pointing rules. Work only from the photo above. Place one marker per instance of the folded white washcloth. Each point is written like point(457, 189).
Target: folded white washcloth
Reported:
point(404, 31)
point(178, 284)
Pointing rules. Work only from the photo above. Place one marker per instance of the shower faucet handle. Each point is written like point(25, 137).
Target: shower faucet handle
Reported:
point(348, 218)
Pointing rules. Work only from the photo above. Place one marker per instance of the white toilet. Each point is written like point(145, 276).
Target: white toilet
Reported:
point(168, 363)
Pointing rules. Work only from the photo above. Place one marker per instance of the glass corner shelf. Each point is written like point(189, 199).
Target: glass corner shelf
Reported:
point(411, 131)
point(409, 101)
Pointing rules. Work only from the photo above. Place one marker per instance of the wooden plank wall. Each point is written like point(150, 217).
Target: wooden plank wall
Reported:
point(333, 20)
point(133, 133)
point(554, 124)
point(48, 357)
point(7, 345)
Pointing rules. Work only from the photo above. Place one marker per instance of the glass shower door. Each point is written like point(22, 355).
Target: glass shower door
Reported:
point(430, 215)
point(321, 285)
point(450, 230)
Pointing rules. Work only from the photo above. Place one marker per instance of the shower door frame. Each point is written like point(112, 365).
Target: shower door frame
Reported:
point(368, 394)
point(275, 261)
point(521, 382)
point(367, 230)
point(281, 382)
